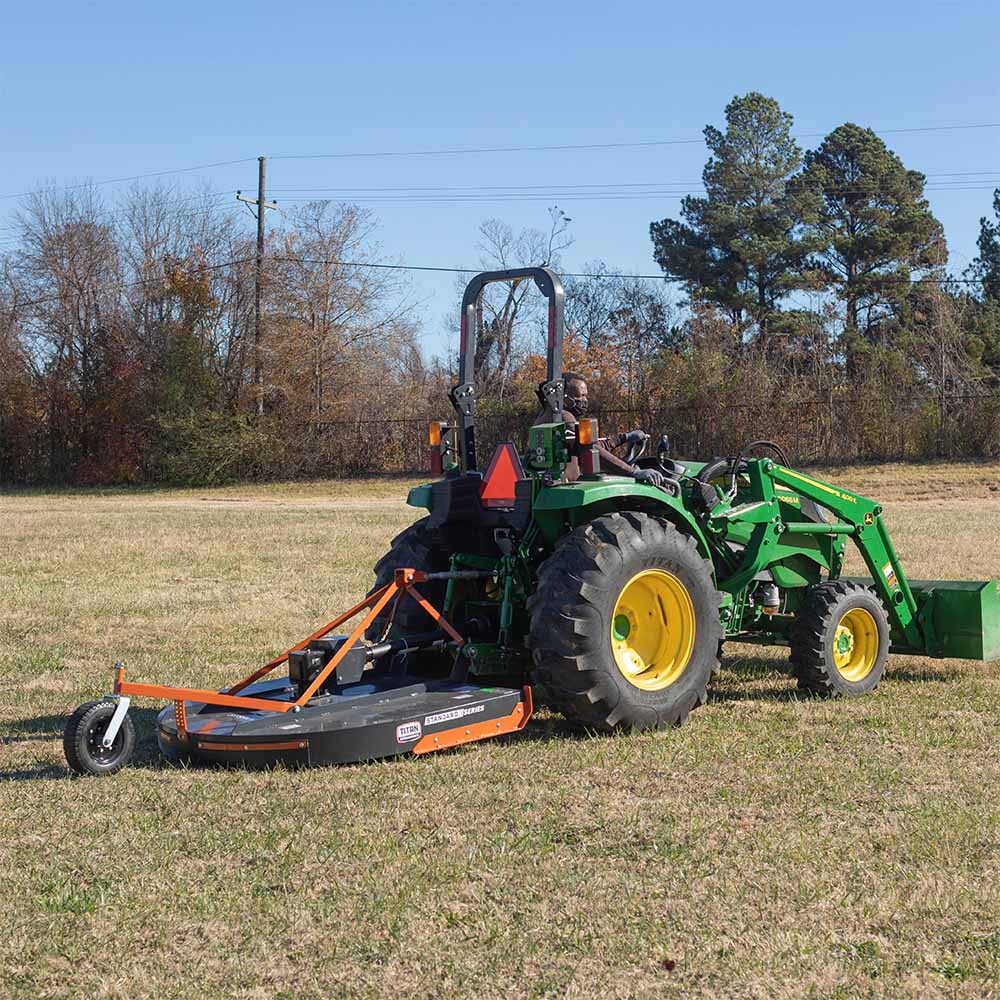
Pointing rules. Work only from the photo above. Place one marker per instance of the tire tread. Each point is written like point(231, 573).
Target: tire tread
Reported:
point(565, 670)
point(75, 735)
point(806, 638)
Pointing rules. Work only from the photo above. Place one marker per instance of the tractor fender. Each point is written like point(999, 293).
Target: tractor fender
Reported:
point(421, 496)
point(582, 501)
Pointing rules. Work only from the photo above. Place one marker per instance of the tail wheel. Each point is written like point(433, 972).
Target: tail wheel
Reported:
point(840, 640)
point(625, 627)
point(83, 735)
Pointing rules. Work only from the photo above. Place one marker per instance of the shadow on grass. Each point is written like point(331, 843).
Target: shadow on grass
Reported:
point(551, 728)
point(751, 669)
point(738, 682)
point(775, 694)
point(923, 676)
point(49, 728)
point(742, 679)
point(41, 728)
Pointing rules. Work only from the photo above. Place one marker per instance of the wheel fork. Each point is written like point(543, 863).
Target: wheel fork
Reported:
point(122, 703)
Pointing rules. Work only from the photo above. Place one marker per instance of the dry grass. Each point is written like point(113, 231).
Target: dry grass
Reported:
point(772, 848)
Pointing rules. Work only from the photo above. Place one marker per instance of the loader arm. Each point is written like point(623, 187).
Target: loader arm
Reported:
point(861, 520)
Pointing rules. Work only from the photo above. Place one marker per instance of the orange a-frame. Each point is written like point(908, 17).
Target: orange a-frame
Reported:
point(402, 583)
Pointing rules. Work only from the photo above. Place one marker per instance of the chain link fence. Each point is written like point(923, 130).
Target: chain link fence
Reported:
point(836, 430)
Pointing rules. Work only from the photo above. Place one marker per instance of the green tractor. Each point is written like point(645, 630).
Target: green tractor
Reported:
point(614, 598)
point(605, 597)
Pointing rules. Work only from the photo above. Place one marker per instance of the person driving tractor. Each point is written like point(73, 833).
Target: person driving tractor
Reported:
point(576, 402)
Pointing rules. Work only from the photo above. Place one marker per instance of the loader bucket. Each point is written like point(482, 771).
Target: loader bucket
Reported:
point(960, 619)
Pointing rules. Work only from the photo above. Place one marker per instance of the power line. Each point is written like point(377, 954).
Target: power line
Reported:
point(497, 193)
point(592, 145)
point(211, 199)
point(487, 149)
point(919, 128)
point(580, 192)
point(461, 151)
point(453, 270)
point(136, 177)
point(487, 187)
point(561, 196)
point(566, 187)
point(564, 274)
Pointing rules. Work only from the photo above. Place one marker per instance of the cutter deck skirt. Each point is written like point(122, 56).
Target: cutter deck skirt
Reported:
point(383, 717)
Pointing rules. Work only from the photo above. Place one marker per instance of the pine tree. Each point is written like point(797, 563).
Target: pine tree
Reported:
point(739, 248)
point(986, 267)
point(875, 228)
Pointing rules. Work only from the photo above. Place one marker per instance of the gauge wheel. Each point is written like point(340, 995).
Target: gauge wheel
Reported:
point(82, 740)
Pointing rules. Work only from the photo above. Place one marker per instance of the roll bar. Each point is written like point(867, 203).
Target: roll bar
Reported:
point(550, 392)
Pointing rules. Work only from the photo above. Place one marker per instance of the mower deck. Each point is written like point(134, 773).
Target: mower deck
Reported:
point(385, 717)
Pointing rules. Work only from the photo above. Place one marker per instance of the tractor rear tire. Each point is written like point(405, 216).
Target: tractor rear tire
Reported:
point(840, 640)
point(625, 628)
point(420, 546)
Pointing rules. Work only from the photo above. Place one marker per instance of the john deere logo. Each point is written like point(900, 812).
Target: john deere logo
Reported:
point(869, 518)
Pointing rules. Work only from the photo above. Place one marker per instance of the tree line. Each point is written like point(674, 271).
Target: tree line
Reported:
point(816, 310)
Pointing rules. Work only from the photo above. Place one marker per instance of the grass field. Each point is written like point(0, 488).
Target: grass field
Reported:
point(773, 847)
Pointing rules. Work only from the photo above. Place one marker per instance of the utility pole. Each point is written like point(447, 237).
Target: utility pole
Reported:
point(262, 206)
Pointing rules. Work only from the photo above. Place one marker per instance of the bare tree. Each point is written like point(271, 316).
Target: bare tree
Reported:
point(163, 233)
point(69, 267)
point(590, 303)
point(334, 307)
point(642, 325)
point(509, 313)
point(940, 352)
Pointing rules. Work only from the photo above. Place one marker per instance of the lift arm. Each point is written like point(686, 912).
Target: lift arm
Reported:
point(861, 520)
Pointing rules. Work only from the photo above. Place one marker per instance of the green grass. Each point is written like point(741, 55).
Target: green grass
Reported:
point(773, 847)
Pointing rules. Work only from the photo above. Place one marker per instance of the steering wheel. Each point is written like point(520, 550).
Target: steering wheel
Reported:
point(717, 471)
point(635, 442)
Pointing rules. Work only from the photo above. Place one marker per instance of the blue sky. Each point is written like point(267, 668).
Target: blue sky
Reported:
point(105, 90)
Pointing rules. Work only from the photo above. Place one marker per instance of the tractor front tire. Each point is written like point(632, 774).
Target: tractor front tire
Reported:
point(840, 640)
point(625, 628)
point(420, 546)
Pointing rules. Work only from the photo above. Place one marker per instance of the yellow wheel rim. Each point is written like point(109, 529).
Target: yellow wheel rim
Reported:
point(652, 629)
point(855, 644)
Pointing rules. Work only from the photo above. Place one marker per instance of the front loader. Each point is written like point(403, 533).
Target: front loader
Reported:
point(606, 598)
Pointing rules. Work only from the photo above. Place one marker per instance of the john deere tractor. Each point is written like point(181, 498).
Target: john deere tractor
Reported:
point(606, 597)
point(613, 598)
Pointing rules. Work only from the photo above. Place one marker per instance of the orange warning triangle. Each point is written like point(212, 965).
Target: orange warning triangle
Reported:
point(505, 470)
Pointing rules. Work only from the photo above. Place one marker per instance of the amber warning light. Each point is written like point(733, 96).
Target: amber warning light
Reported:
point(434, 440)
point(586, 439)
